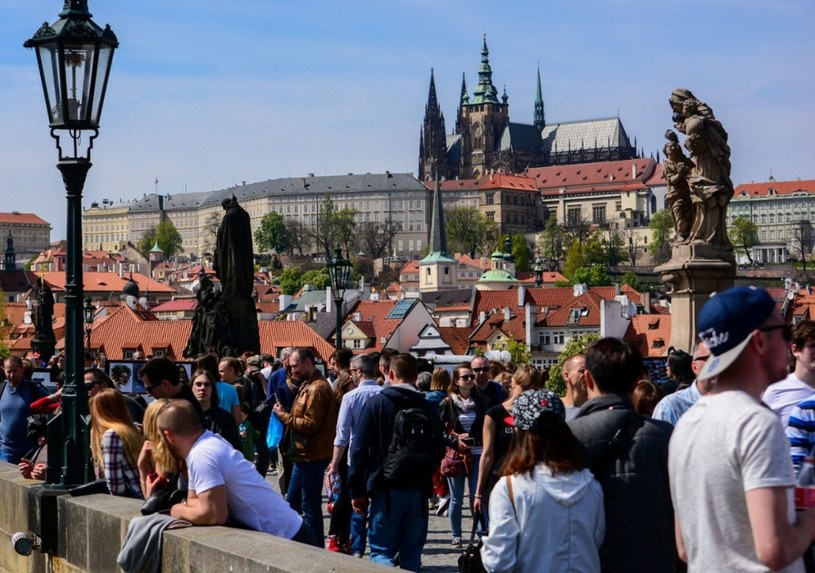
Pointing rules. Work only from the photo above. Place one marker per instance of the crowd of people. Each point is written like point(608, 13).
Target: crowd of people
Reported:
point(619, 474)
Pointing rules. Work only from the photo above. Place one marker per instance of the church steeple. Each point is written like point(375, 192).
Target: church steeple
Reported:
point(433, 140)
point(11, 258)
point(485, 91)
point(438, 268)
point(438, 234)
point(540, 116)
point(463, 100)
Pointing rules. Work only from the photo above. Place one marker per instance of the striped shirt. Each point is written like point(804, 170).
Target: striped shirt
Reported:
point(801, 431)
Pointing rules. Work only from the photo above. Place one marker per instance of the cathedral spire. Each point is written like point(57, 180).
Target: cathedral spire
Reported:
point(540, 116)
point(485, 91)
point(433, 138)
point(438, 234)
point(462, 101)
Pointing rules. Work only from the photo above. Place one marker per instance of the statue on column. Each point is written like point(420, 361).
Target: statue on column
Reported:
point(706, 174)
point(232, 260)
point(42, 311)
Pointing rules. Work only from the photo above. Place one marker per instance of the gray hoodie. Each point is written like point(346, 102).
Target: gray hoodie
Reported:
point(557, 523)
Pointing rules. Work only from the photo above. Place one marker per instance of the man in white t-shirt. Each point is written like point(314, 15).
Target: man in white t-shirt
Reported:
point(222, 483)
point(731, 477)
point(799, 385)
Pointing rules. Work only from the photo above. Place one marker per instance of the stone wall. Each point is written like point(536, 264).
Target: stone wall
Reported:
point(84, 534)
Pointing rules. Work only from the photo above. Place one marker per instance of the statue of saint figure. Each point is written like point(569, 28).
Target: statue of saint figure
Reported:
point(708, 179)
point(210, 323)
point(676, 169)
point(42, 311)
point(233, 251)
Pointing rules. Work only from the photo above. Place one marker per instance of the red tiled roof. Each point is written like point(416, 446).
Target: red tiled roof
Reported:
point(507, 181)
point(514, 328)
point(124, 328)
point(781, 188)
point(17, 218)
point(651, 332)
point(17, 281)
point(563, 316)
point(176, 305)
point(586, 177)
point(457, 338)
point(374, 312)
point(96, 282)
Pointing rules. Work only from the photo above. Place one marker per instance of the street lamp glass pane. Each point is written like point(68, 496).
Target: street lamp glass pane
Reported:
point(104, 59)
point(48, 60)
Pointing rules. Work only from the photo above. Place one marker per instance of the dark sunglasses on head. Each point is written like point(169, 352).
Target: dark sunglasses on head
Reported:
point(786, 330)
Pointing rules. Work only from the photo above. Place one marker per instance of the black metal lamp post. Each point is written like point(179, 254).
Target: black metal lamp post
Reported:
point(89, 313)
point(74, 57)
point(339, 270)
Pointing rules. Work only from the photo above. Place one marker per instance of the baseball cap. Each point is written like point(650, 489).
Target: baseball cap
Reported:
point(727, 322)
point(529, 406)
point(253, 363)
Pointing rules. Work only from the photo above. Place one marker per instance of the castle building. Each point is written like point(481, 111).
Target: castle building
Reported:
point(484, 140)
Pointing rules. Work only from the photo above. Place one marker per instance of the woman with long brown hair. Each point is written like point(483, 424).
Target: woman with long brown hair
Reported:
point(158, 467)
point(115, 443)
point(462, 413)
point(547, 509)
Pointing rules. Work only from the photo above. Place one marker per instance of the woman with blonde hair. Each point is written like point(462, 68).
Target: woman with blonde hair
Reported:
point(115, 443)
point(498, 431)
point(158, 467)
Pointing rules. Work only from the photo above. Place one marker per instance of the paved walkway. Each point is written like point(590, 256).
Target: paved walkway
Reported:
point(439, 556)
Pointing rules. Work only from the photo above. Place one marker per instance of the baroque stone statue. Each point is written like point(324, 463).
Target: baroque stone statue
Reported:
point(210, 323)
point(703, 179)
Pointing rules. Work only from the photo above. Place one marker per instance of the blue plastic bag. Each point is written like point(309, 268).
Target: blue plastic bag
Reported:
point(274, 433)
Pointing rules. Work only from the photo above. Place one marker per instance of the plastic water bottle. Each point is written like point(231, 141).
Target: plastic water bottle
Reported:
point(805, 488)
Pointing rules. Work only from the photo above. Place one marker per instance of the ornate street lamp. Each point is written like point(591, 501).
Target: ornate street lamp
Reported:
point(74, 57)
point(339, 269)
point(89, 313)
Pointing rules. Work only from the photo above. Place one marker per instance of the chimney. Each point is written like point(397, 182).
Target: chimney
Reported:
point(507, 313)
point(633, 171)
point(285, 301)
point(482, 316)
point(616, 289)
point(521, 295)
point(329, 300)
point(645, 298)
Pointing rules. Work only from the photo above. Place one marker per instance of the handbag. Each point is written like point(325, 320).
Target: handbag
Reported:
point(274, 432)
point(470, 560)
point(455, 463)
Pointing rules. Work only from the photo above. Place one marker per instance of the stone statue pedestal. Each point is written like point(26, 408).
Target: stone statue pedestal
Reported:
point(693, 273)
point(243, 322)
point(46, 348)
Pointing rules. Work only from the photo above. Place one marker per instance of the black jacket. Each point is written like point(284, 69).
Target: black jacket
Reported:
point(221, 422)
point(373, 434)
point(449, 413)
point(639, 514)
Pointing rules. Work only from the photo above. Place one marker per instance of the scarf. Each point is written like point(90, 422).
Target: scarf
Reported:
point(463, 404)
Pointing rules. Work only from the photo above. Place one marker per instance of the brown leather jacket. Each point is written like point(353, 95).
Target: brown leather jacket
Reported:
point(312, 421)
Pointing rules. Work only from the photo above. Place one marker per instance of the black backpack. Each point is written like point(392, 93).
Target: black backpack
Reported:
point(410, 461)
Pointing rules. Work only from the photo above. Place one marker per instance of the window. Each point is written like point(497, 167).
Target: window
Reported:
point(128, 353)
point(489, 198)
point(618, 206)
point(573, 215)
point(598, 213)
point(558, 337)
point(491, 215)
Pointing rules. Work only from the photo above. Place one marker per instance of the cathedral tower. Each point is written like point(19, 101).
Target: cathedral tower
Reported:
point(432, 140)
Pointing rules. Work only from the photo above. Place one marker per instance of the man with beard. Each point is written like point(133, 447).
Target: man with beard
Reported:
point(313, 422)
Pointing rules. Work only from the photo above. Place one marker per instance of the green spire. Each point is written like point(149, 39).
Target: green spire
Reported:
point(438, 234)
point(485, 92)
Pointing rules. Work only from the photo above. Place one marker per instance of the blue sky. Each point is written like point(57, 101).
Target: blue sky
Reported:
point(205, 94)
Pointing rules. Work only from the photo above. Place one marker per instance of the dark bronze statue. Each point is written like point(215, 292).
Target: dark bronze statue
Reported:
point(42, 311)
point(233, 251)
point(210, 323)
point(704, 178)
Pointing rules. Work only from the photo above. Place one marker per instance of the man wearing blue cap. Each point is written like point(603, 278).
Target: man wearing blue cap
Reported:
point(731, 477)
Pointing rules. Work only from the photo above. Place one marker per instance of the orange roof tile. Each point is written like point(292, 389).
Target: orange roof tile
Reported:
point(176, 305)
point(589, 303)
point(96, 282)
point(747, 190)
point(275, 335)
point(651, 332)
point(457, 338)
point(17, 218)
point(587, 177)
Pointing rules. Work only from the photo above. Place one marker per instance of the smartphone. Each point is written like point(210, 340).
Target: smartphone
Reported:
point(469, 442)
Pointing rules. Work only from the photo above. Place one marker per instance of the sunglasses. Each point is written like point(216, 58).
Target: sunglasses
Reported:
point(786, 330)
point(484, 369)
point(467, 377)
point(202, 384)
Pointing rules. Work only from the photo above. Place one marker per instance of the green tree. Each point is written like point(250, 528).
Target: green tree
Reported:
point(595, 275)
point(742, 233)
point(631, 279)
point(661, 226)
point(550, 241)
point(518, 351)
point(318, 278)
point(375, 238)
point(334, 228)
point(291, 280)
point(299, 237)
point(574, 259)
point(166, 235)
point(272, 234)
point(614, 249)
point(521, 253)
point(469, 231)
point(575, 345)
